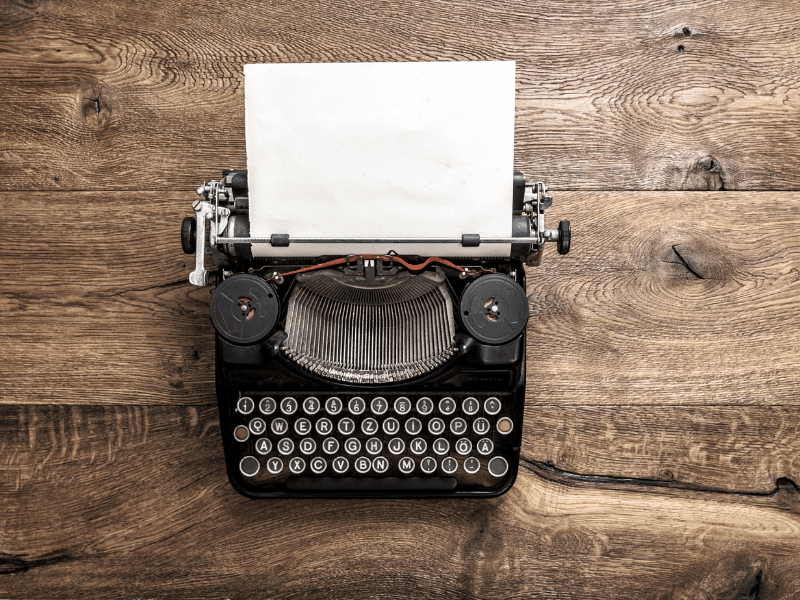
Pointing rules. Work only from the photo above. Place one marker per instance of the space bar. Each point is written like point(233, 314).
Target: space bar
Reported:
point(366, 484)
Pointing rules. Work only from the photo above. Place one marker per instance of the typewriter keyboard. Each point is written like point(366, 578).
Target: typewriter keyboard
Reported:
point(293, 438)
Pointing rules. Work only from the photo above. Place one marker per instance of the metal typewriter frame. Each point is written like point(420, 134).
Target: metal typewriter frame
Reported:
point(534, 204)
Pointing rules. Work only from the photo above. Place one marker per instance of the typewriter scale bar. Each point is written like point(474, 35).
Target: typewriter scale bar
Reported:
point(347, 444)
point(473, 240)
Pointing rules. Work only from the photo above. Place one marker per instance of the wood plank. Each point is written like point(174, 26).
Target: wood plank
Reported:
point(133, 501)
point(667, 95)
point(743, 449)
point(95, 305)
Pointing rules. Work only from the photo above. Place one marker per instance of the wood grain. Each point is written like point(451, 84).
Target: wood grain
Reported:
point(665, 298)
point(97, 522)
point(668, 95)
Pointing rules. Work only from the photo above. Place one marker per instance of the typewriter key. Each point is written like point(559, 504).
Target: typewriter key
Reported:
point(424, 406)
point(356, 406)
point(285, 446)
point(302, 426)
point(340, 464)
point(498, 466)
point(436, 426)
point(396, 446)
point(352, 445)
point(369, 426)
point(244, 309)
point(308, 445)
point(492, 406)
point(428, 465)
point(346, 426)
point(471, 465)
point(480, 426)
point(485, 446)
point(463, 446)
point(330, 445)
point(241, 433)
point(379, 405)
point(257, 426)
point(391, 426)
point(245, 405)
point(263, 446)
point(333, 406)
point(249, 466)
point(494, 309)
point(318, 465)
point(310, 406)
point(505, 425)
point(449, 465)
point(362, 464)
point(441, 446)
point(413, 426)
point(458, 426)
point(297, 465)
point(418, 445)
point(275, 465)
point(402, 405)
point(447, 406)
point(267, 406)
point(279, 426)
point(406, 465)
point(380, 464)
point(324, 426)
point(373, 445)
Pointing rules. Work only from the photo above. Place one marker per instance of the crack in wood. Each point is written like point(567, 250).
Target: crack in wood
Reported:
point(16, 564)
point(685, 263)
point(555, 475)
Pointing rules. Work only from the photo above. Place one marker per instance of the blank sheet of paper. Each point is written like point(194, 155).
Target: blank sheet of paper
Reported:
point(380, 150)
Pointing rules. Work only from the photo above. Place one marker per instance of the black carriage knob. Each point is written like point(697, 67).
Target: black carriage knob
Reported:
point(563, 237)
point(189, 235)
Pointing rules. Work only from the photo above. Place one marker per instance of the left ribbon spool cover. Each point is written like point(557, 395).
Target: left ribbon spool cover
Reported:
point(244, 309)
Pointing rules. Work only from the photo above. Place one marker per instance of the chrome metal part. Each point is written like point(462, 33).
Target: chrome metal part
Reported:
point(363, 332)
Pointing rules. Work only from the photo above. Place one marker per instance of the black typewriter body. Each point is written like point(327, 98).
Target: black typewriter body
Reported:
point(386, 376)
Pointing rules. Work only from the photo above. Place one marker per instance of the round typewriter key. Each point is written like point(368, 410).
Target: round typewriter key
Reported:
point(241, 433)
point(302, 426)
point(458, 426)
point(308, 445)
point(436, 426)
point(427, 464)
point(257, 426)
point(418, 445)
point(406, 465)
point(245, 405)
point(362, 464)
point(318, 465)
point(447, 406)
point(505, 425)
point(424, 406)
point(297, 465)
point(471, 465)
point(279, 426)
point(492, 405)
point(346, 426)
point(263, 446)
point(249, 466)
point(373, 445)
point(267, 406)
point(480, 426)
point(391, 426)
point(330, 445)
point(379, 405)
point(449, 465)
point(485, 446)
point(310, 406)
point(333, 405)
point(463, 446)
point(402, 405)
point(352, 445)
point(440, 446)
point(380, 464)
point(288, 406)
point(396, 445)
point(340, 464)
point(470, 405)
point(356, 406)
point(498, 466)
point(494, 309)
point(285, 446)
point(369, 426)
point(274, 465)
point(324, 426)
point(244, 308)
point(413, 426)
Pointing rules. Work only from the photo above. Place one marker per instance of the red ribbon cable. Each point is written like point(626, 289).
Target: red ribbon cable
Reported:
point(345, 259)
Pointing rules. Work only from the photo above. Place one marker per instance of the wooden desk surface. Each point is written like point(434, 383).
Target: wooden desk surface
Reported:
point(661, 435)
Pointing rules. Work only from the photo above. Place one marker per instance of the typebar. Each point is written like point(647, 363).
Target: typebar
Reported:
point(409, 484)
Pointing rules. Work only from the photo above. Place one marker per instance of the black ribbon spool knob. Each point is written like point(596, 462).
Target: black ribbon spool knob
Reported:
point(244, 309)
point(494, 309)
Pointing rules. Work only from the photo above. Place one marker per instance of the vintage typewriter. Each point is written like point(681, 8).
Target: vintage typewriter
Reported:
point(368, 375)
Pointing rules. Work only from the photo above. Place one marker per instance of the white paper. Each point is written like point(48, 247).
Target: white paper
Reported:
point(380, 150)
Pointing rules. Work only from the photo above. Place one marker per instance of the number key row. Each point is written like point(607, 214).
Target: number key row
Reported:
point(356, 406)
